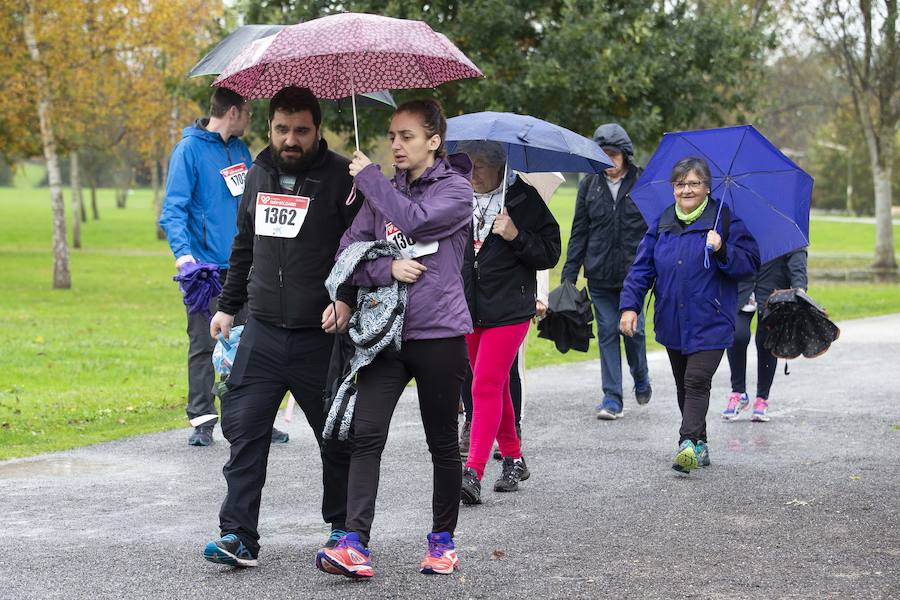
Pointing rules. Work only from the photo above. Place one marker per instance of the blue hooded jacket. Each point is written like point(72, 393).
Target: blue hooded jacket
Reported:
point(695, 307)
point(199, 215)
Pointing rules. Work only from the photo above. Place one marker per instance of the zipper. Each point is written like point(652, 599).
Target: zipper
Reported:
point(205, 244)
point(250, 272)
point(475, 289)
point(281, 284)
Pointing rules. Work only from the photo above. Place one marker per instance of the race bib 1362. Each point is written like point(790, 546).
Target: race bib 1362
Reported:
point(280, 215)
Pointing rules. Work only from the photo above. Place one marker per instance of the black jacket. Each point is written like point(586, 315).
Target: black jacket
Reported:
point(605, 232)
point(501, 282)
point(788, 271)
point(283, 279)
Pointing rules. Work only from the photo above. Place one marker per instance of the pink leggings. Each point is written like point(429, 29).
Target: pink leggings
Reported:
point(491, 354)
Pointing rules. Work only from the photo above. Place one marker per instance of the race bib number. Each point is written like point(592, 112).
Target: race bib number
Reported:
point(406, 245)
point(235, 176)
point(280, 215)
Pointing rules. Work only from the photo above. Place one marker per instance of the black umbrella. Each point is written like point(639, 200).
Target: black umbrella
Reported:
point(568, 319)
point(795, 324)
point(219, 57)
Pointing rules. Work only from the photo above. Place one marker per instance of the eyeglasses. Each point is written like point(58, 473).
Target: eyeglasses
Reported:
point(694, 186)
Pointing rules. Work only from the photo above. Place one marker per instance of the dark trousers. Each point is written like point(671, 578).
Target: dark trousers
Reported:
point(515, 390)
point(766, 364)
point(693, 380)
point(271, 361)
point(438, 366)
point(201, 376)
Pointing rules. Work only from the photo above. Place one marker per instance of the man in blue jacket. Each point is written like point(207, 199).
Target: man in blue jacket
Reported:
point(606, 230)
point(203, 190)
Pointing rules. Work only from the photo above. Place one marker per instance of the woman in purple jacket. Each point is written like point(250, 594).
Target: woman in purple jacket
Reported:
point(426, 208)
point(696, 296)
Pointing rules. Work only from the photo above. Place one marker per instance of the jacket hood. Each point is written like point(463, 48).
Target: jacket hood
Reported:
point(612, 134)
point(454, 164)
point(198, 130)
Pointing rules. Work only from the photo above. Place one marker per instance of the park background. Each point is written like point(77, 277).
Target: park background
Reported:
point(93, 336)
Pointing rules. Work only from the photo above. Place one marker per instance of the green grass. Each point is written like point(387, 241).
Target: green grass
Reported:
point(107, 358)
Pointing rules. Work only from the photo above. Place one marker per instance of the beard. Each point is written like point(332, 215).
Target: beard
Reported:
point(298, 164)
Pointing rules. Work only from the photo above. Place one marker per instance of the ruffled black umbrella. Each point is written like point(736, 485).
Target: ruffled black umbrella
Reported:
point(795, 324)
point(568, 319)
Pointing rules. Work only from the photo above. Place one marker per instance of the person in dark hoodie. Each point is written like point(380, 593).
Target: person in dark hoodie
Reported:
point(293, 213)
point(606, 230)
point(788, 271)
point(199, 214)
point(425, 209)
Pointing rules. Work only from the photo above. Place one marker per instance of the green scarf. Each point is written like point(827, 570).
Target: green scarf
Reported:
point(692, 216)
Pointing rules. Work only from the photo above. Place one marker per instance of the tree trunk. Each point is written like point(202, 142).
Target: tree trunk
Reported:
point(62, 279)
point(94, 209)
point(75, 181)
point(884, 227)
point(157, 198)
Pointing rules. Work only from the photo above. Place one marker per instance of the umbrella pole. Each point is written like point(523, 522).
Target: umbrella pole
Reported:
point(353, 102)
point(503, 185)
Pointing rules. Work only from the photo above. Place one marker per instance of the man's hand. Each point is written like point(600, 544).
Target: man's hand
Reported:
point(221, 322)
point(714, 239)
point(540, 309)
point(504, 226)
point(407, 270)
point(628, 323)
point(343, 316)
point(360, 162)
point(183, 260)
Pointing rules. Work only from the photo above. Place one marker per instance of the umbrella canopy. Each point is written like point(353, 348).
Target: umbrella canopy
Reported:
point(568, 319)
point(246, 35)
point(199, 283)
point(532, 145)
point(546, 184)
point(345, 54)
point(795, 324)
point(761, 185)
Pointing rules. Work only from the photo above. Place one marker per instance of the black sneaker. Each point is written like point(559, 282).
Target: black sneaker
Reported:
point(511, 476)
point(229, 550)
point(643, 395)
point(280, 437)
point(526, 473)
point(471, 487)
point(464, 436)
point(202, 436)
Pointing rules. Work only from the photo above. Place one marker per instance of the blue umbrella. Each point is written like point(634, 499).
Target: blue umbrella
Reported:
point(761, 185)
point(199, 283)
point(532, 145)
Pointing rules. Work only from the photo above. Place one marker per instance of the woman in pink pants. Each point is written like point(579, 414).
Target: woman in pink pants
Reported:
point(513, 235)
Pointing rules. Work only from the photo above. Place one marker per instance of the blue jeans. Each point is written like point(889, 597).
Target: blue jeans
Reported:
point(606, 311)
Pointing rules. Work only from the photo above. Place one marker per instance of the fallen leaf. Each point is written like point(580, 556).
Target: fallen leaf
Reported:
point(796, 502)
point(39, 339)
point(497, 554)
point(855, 477)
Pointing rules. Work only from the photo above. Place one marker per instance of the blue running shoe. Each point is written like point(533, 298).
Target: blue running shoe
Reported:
point(702, 450)
point(441, 558)
point(331, 542)
point(229, 550)
point(610, 410)
point(686, 459)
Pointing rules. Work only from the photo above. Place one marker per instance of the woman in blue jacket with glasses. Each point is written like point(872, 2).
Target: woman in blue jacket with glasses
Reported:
point(693, 258)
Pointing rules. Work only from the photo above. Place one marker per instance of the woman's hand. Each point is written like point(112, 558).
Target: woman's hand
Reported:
point(714, 239)
point(407, 270)
point(343, 317)
point(540, 309)
point(628, 323)
point(360, 161)
point(504, 226)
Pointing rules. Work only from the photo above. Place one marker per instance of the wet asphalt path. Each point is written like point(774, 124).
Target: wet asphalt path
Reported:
point(806, 506)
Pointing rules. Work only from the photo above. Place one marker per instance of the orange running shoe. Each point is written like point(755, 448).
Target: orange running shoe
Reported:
point(349, 557)
point(441, 558)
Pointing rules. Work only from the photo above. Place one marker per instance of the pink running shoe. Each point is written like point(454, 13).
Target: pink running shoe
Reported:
point(736, 403)
point(759, 411)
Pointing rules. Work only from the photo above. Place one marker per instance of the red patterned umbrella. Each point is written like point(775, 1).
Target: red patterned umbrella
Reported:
point(346, 54)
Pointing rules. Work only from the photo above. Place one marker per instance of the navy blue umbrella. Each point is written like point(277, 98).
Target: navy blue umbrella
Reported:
point(532, 145)
point(761, 185)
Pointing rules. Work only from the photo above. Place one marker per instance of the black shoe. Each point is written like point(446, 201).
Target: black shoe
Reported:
point(526, 473)
point(280, 437)
point(202, 436)
point(464, 435)
point(471, 487)
point(643, 396)
point(511, 476)
point(497, 455)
